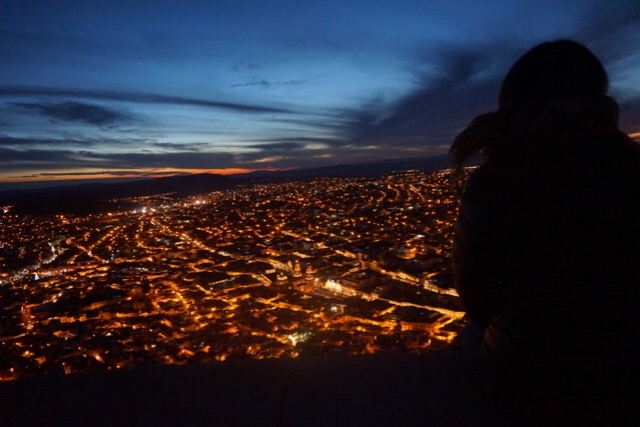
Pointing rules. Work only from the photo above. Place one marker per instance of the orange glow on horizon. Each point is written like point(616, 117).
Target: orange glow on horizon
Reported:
point(635, 136)
point(134, 174)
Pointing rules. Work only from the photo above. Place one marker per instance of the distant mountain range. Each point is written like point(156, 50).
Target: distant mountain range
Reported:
point(90, 197)
point(368, 169)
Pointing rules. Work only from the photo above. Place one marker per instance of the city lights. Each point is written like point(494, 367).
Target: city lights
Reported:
point(264, 271)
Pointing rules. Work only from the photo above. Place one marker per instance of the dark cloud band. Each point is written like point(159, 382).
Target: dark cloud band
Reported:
point(75, 112)
point(145, 98)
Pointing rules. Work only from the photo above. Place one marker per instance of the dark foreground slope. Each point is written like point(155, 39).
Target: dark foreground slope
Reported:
point(377, 390)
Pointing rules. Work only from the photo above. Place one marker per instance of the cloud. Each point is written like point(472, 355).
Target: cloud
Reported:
point(346, 154)
point(287, 144)
point(106, 172)
point(269, 159)
point(180, 160)
point(336, 122)
point(612, 30)
point(265, 84)
point(18, 159)
point(189, 146)
point(47, 160)
point(9, 141)
point(135, 97)
point(276, 146)
point(6, 140)
point(456, 83)
point(75, 112)
point(460, 84)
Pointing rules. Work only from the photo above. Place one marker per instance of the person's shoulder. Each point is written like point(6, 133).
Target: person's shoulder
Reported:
point(629, 145)
point(482, 176)
point(619, 155)
point(484, 191)
point(492, 178)
point(479, 180)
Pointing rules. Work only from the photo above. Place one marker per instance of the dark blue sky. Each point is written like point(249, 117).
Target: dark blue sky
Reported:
point(132, 88)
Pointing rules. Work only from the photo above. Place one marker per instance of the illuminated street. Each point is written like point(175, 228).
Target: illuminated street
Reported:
point(271, 270)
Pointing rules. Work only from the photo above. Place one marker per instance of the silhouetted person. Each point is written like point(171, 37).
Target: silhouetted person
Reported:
point(547, 248)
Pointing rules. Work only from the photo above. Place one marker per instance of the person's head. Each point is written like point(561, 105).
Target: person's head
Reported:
point(551, 71)
point(562, 69)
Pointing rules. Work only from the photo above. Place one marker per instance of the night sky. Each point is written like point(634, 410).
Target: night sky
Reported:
point(100, 89)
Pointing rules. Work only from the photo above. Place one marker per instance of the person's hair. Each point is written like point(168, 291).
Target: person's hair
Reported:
point(561, 69)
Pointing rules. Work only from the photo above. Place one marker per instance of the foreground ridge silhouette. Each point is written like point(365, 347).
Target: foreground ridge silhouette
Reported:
point(381, 390)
